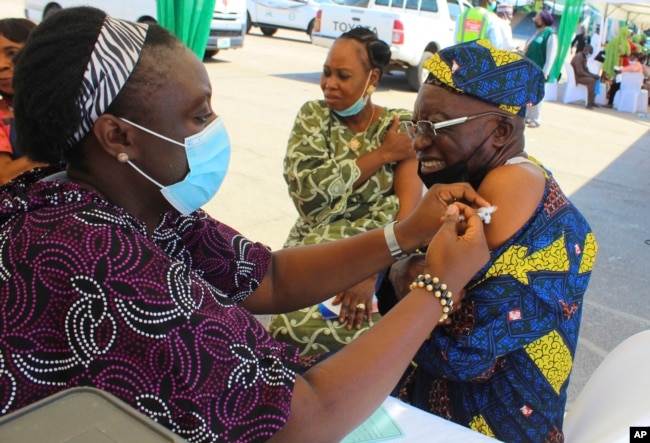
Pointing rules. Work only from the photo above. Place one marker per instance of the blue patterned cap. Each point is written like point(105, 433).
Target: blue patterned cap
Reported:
point(502, 78)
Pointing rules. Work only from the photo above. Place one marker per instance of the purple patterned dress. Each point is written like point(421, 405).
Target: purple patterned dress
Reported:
point(89, 298)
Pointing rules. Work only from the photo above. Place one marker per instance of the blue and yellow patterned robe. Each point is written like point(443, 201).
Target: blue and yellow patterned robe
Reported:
point(502, 367)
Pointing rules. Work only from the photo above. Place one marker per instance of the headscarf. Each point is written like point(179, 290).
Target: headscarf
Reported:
point(615, 48)
point(502, 78)
point(112, 61)
point(547, 17)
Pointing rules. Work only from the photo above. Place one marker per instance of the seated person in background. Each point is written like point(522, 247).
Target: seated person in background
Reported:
point(501, 366)
point(643, 59)
point(583, 76)
point(633, 66)
point(350, 169)
point(112, 277)
point(617, 51)
point(13, 34)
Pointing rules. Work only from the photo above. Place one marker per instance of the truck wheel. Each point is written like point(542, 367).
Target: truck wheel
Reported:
point(210, 53)
point(416, 75)
point(310, 29)
point(249, 25)
point(268, 31)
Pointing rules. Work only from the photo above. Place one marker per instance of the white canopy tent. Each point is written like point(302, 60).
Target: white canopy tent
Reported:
point(634, 11)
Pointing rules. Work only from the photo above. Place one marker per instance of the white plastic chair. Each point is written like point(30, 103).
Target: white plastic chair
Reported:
point(642, 101)
point(627, 98)
point(594, 66)
point(601, 97)
point(573, 91)
point(616, 396)
point(550, 91)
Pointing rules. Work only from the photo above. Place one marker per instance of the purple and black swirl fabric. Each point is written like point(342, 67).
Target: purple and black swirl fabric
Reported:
point(89, 298)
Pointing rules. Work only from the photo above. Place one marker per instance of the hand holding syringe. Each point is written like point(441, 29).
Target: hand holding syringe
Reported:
point(484, 213)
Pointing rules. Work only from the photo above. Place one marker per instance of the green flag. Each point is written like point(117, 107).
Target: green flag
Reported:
point(570, 16)
point(189, 20)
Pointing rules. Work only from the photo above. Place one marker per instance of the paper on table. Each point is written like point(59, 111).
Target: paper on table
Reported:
point(379, 427)
point(330, 311)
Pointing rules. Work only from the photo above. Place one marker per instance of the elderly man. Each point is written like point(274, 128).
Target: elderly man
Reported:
point(501, 366)
point(583, 76)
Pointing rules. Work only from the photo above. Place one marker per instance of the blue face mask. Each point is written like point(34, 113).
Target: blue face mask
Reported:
point(208, 155)
point(358, 105)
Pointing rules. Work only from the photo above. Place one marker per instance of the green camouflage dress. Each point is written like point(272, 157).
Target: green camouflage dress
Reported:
point(320, 170)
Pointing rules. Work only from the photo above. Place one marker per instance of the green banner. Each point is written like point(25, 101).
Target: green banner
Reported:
point(189, 20)
point(568, 24)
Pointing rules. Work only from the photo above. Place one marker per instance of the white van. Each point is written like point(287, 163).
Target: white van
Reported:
point(228, 21)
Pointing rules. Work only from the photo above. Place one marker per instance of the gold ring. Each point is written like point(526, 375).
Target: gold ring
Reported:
point(361, 306)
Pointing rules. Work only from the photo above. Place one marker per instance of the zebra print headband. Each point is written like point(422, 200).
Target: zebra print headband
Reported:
point(111, 63)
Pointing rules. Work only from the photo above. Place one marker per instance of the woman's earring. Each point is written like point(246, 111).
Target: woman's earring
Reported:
point(122, 157)
point(370, 90)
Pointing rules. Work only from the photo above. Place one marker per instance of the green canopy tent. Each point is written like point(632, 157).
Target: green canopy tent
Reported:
point(189, 20)
point(571, 14)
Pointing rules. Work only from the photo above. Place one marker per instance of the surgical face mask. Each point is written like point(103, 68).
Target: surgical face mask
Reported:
point(208, 155)
point(358, 105)
point(453, 174)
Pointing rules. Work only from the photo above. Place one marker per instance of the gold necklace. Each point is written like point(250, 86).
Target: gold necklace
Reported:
point(355, 144)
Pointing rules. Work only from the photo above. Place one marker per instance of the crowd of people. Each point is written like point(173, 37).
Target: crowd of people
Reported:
point(622, 53)
point(114, 277)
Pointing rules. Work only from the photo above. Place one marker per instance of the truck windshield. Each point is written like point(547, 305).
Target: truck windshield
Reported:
point(429, 5)
point(415, 5)
point(454, 9)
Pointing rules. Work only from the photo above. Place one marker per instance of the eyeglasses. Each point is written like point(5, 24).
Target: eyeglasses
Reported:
point(425, 128)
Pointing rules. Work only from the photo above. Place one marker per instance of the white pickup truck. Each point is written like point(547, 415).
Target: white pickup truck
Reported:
point(414, 29)
point(227, 29)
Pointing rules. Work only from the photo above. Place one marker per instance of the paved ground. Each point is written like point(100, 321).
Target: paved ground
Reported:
point(601, 158)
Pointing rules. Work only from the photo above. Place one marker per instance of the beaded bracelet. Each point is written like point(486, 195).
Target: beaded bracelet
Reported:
point(439, 290)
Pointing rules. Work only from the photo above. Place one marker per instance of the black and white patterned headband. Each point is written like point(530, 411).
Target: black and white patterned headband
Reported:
point(111, 63)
